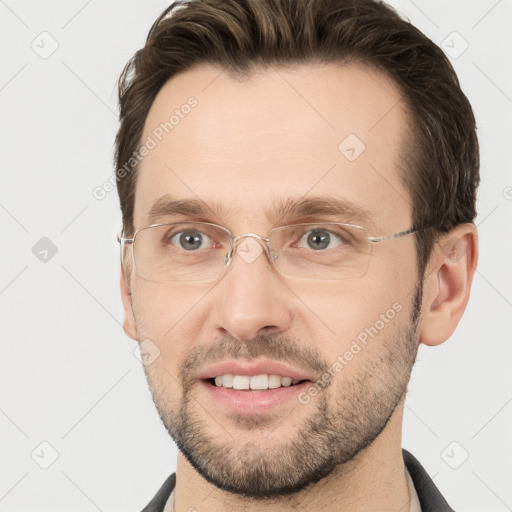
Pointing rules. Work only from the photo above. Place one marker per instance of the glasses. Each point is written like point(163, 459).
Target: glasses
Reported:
point(197, 252)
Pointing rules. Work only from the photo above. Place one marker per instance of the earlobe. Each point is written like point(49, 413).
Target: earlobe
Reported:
point(129, 325)
point(447, 284)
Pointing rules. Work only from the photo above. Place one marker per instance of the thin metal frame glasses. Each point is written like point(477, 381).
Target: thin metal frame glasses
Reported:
point(157, 258)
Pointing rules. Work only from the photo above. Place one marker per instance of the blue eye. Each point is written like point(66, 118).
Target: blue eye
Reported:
point(319, 239)
point(191, 240)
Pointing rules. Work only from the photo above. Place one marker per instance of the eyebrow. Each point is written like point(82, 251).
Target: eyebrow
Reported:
point(282, 210)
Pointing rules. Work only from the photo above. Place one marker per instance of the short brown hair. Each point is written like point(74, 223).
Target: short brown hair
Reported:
point(441, 170)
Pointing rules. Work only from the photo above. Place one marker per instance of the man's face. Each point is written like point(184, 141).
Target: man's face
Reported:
point(248, 146)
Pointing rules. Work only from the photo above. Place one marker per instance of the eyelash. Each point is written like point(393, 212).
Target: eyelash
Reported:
point(169, 237)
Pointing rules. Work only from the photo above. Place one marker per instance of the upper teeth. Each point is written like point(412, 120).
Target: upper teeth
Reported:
point(264, 381)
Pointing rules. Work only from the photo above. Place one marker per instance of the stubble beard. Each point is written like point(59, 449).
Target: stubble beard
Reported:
point(343, 420)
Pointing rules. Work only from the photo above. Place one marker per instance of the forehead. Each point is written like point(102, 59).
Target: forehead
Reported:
point(283, 134)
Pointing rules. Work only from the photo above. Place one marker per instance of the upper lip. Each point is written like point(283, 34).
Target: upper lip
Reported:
point(259, 367)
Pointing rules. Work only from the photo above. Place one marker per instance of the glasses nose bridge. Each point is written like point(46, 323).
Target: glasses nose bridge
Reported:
point(244, 235)
point(236, 239)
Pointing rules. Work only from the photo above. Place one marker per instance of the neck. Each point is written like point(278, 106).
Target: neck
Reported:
point(374, 480)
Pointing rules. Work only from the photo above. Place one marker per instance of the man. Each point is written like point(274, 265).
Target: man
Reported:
point(297, 182)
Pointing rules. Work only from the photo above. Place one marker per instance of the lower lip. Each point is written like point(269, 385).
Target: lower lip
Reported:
point(253, 401)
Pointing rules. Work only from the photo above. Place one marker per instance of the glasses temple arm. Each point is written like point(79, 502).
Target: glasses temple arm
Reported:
point(395, 235)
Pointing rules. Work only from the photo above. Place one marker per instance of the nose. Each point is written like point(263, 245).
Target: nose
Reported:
point(251, 299)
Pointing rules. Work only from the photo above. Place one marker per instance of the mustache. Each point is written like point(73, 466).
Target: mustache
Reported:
point(276, 348)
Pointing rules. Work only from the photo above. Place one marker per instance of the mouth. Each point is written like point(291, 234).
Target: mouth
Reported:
point(262, 382)
point(254, 394)
point(254, 386)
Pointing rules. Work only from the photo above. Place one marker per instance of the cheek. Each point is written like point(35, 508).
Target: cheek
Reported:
point(165, 387)
point(167, 316)
point(356, 320)
point(341, 311)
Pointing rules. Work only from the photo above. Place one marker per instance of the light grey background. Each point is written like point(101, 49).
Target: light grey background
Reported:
point(68, 374)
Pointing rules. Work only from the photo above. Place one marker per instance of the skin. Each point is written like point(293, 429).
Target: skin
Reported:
point(246, 145)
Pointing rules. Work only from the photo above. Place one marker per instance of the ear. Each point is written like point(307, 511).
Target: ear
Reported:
point(447, 283)
point(129, 325)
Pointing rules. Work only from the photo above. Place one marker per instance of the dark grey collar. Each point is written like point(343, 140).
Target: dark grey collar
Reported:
point(431, 500)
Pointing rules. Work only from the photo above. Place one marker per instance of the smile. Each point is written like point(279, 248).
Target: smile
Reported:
point(253, 382)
